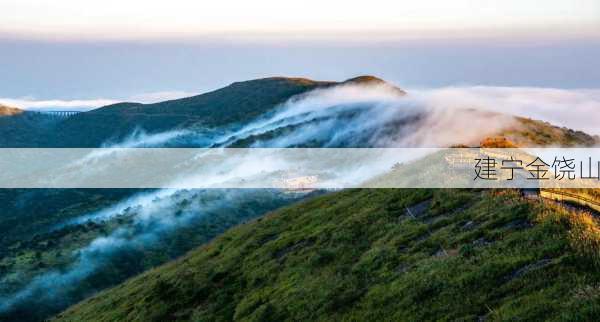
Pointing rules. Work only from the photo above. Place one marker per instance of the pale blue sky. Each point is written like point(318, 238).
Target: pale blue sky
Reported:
point(76, 70)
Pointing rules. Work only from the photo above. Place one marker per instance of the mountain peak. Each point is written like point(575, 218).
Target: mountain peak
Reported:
point(365, 79)
point(8, 110)
point(372, 81)
point(301, 81)
point(359, 80)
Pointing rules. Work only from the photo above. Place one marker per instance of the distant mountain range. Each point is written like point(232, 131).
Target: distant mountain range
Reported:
point(226, 110)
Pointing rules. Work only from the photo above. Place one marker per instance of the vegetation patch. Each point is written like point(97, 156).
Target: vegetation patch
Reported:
point(358, 255)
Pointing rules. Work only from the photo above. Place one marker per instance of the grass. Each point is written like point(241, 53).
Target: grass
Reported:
point(38, 250)
point(401, 255)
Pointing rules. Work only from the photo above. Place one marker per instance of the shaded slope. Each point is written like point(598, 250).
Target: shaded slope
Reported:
point(26, 129)
point(238, 102)
point(221, 110)
point(376, 255)
point(49, 262)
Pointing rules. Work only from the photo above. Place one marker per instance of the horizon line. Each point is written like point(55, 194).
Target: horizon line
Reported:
point(332, 37)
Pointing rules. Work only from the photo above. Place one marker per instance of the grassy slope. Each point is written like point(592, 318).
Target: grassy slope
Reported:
point(359, 255)
point(36, 243)
point(530, 132)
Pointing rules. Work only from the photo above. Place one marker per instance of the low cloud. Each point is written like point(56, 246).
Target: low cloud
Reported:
point(574, 108)
point(33, 104)
point(431, 117)
point(153, 215)
point(578, 109)
point(370, 116)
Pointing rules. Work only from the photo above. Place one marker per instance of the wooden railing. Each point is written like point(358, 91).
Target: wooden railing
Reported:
point(565, 195)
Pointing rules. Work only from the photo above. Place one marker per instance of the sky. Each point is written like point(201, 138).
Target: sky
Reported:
point(54, 52)
point(185, 18)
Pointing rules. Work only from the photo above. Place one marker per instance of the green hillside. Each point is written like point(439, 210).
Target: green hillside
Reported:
point(26, 129)
point(229, 106)
point(44, 234)
point(238, 102)
point(398, 255)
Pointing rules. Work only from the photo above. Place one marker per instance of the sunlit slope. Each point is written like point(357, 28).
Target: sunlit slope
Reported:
point(8, 110)
point(377, 255)
point(530, 132)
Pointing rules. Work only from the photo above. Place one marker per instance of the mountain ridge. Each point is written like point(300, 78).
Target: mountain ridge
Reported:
point(235, 103)
point(224, 108)
point(253, 83)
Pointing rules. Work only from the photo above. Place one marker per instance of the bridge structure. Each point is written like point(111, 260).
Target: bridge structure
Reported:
point(63, 114)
